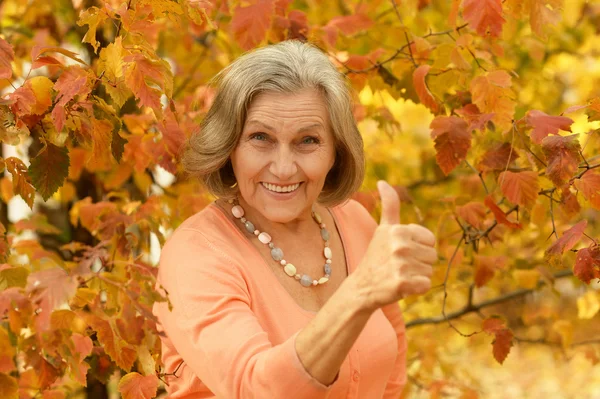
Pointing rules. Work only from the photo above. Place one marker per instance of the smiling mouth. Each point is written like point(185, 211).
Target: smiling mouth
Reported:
point(281, 189)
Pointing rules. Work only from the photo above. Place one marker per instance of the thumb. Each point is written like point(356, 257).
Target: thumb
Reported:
point(390, 203)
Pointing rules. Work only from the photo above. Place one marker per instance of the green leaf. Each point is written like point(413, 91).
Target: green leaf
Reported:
point(49, 169)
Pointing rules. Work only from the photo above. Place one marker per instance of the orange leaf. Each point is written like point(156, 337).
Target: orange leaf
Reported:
point(477, 120)
point(71, 83)
point(24, 100)
point(21, 182)
point(485, 268)
point(7, 55)
point(136, 81)
point(492, 94)
point(101, 158)
point(251, 23)
point(484, 15)
point(502, 344)
point(587, 264)
point(453, 13)
point(8, 387)
point(499, 213)
point(542, 16)
point(520, 187)
point(38, 51)
point(136, 386)
point(49, 169)
point(568, 239)
point(421, 88)
point(47, 373)
point(499, 157)
point(493, 324)
point(118, 350)
point(473, 213)
point(544, 124)
point(589, 185)
point(452, 141)
point(351, 24)
point(562, 153)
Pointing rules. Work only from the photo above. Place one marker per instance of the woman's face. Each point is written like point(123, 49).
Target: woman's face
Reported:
point(286, 145)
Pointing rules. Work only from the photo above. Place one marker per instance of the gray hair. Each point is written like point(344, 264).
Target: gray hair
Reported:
point(289, 67)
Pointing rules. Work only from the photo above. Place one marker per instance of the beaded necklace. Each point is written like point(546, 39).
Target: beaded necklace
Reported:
point(277, 253)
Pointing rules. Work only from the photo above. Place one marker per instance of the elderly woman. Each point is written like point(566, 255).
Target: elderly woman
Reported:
point(284, 287)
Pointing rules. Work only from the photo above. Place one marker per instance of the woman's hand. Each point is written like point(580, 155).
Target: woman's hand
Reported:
point(399, 259)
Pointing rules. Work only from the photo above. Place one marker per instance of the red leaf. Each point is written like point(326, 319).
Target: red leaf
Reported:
point(7, 55)
point(562, 153)
point(173, 136)
point(37, 53)
point(502, 344)
point(473, 213)
point(118, 350)
point(136, 81)
point(544, 124)
point(250, 24)
point(47, 373)
point(589, 185)
point(499, 213)
point(421, 88)
point(587, 264)
point(485, 268)
point(452, 141)
point(499, 157)
point(50, 288)
point(568, 239)
point(24, 100)
point(136, 386)
point(477, 120)
point(484, 15)
point(351, 24)
point(493, 324)
point(520, 187)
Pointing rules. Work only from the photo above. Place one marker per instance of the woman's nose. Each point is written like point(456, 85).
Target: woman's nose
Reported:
point(283, 166)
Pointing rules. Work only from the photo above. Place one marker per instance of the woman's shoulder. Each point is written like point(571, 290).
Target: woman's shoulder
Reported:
point(354, 215)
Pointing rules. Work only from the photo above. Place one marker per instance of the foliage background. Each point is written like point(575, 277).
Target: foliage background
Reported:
point(483, 113)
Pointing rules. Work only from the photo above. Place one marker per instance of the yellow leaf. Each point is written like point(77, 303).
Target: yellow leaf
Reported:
point(564, 328)
point(526, 278)
point(92, 17)
point(588, 305)
point(42, 88)
point(111, 60)
point(8, 387)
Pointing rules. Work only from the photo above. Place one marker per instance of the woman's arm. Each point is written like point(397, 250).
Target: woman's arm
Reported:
point(325, 342)
point(397, 379)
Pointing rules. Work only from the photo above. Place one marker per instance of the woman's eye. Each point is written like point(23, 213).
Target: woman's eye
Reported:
point(310, 140)
point(259, 136)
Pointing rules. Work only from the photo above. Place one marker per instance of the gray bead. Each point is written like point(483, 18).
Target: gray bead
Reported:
point(249, 226)
point(306, 280)
point(325, 234)
point(277, 254)
point(327, 269)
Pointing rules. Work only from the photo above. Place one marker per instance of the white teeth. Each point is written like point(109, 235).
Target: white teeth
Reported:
point(281, 189)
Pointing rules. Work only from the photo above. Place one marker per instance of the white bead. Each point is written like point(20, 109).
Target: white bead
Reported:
point(327, 252)
point(264, 238)
point(256, 232)
point(290, 270)
point(328, 261)
point(237, 211)
point(323, 280)
point(283, 262)
point(315, 282)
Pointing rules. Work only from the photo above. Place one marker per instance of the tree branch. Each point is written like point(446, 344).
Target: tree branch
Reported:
point(469, 307)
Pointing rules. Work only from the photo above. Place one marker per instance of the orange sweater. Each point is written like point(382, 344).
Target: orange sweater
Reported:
point(234, 325)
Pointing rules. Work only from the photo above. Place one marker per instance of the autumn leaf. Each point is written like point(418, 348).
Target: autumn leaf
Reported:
point(452, 141)
point(7, 56)
point(7, 352)
point(544, 124)
point(23, 100)
point(499, 213)
point(21, 182)
point(502, 337)
point(102, 132)
point(421, 88)
point(562, 153)
point(71, 83)
point(476, 120)
point(52, 285)
point(473, 213)
point(8, 387)
point(49, 169)
point(92, 17)
point(350, 24)
point(492, 93)
point(587, 263)
point(589, 185)
point(118, 350)
point(136, 81)
point(485, 268)
point(568, 239)
point(250, 24)
point(498, 157)
point(543, 16)
point(136, 386)
point(520, 187)
point(484, 15)
point(41, 87)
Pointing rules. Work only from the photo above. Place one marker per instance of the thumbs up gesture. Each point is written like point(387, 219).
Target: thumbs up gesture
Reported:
point(399, 259)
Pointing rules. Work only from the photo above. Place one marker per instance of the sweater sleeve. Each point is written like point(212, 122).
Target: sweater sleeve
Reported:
point(397, 379)
point(213, 328)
